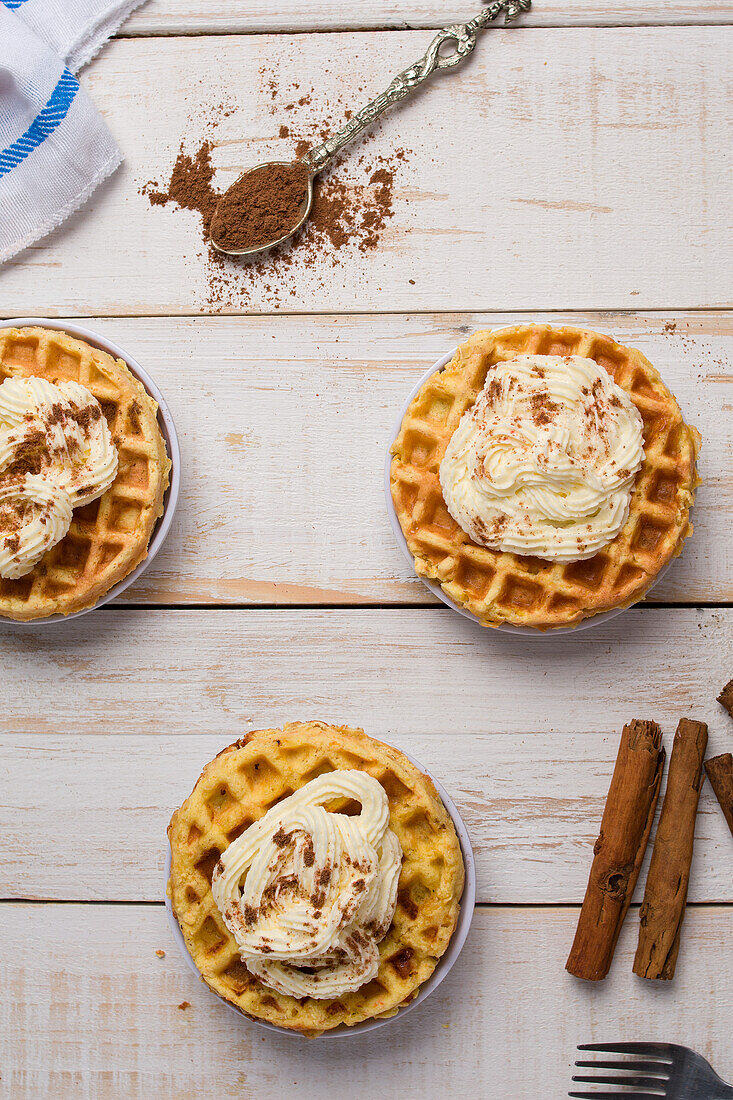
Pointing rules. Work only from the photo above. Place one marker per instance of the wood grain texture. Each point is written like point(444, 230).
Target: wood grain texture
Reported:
point(562, 168)
point(284, 424)
point(530, 180)
point(90, 1013)
point(127, 707)
point(178, 16)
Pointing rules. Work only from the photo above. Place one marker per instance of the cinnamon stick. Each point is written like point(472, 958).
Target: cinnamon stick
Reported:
point(619, 850)
point(665, 898)
point(720, 774)
point(726, 697)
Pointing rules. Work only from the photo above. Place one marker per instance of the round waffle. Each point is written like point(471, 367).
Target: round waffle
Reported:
point(108, 538)
point(499, 587)
point(237, 788)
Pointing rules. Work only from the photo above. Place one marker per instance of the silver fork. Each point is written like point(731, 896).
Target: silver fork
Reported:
point(656, 1070)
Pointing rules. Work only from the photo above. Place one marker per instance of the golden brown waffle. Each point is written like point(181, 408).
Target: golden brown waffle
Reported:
point(502, 587)
point(109, 537)
point(238, 787)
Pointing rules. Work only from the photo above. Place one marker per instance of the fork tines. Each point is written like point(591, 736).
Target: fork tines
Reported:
point(616, 1094)
point(648, 1074)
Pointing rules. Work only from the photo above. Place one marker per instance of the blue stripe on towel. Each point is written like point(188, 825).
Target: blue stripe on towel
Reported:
point(13, 3)
point(45, 122)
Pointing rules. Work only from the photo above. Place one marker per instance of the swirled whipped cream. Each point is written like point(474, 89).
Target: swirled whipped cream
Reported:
point(309, 894)
point(544, 462)
point(56, 453)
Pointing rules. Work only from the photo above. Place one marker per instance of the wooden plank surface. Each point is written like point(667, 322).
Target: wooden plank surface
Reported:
point(529, 180)
point(90, 1013)
point(568, 168)
point(533, 806)
point(284, 423)
point(178, 16)
point(127, 707)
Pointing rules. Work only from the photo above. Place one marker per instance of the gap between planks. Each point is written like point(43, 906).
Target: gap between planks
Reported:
point(589, 24)
point(569, 313)
point(151, 903)
point(646, 605)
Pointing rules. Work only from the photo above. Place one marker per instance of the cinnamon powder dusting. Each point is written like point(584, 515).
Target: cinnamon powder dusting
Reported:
point(544, 409)
point(263, 206)
point(353, 201)
point(30, 456)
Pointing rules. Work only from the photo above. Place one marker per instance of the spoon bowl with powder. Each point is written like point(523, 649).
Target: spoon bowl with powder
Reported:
point(268, 204)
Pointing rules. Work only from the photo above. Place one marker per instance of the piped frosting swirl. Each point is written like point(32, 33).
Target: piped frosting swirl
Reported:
point(56, 454)
point(544, 462)
point(308, 894)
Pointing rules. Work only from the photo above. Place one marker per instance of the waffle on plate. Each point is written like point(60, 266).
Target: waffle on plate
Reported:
point(237, 788)
point(499, 587)
point(109, 537)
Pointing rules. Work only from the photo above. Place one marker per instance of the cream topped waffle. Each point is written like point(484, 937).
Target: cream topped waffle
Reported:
point(542, 505)
point(85, 472)
point(295, 842)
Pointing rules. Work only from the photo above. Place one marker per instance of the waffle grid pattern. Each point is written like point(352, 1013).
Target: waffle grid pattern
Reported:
point(109, 537)
point(527, 591)
point(237, 788)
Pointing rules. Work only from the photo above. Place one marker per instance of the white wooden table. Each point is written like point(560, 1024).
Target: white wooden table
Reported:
point(575, 169)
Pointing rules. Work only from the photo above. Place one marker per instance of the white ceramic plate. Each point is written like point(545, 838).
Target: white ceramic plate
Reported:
point(506, 628)
point(165, 422)
point(465, 916)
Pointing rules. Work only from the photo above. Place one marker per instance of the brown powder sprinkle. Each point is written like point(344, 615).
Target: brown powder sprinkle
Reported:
point(87, 415)
point(495, 390)
point(352, 201)
point(30, 456)
point(544, 409)
point(11, 517)
point(281, 839)
point(249, 915)
point(261, 207)
point(190, 185)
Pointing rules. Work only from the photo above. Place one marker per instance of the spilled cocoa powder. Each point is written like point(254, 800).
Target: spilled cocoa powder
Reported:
point(263, 206)
point(190, 185)
point(341, 213)
point(352, 202)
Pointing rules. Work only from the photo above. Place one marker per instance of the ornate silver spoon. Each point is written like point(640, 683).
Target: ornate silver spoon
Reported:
point(449, 48)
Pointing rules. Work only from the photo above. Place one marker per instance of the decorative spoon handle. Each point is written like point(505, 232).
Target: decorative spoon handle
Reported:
point(463, 35)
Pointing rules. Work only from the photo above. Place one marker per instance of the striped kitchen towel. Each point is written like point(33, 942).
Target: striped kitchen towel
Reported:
point(55, 148)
